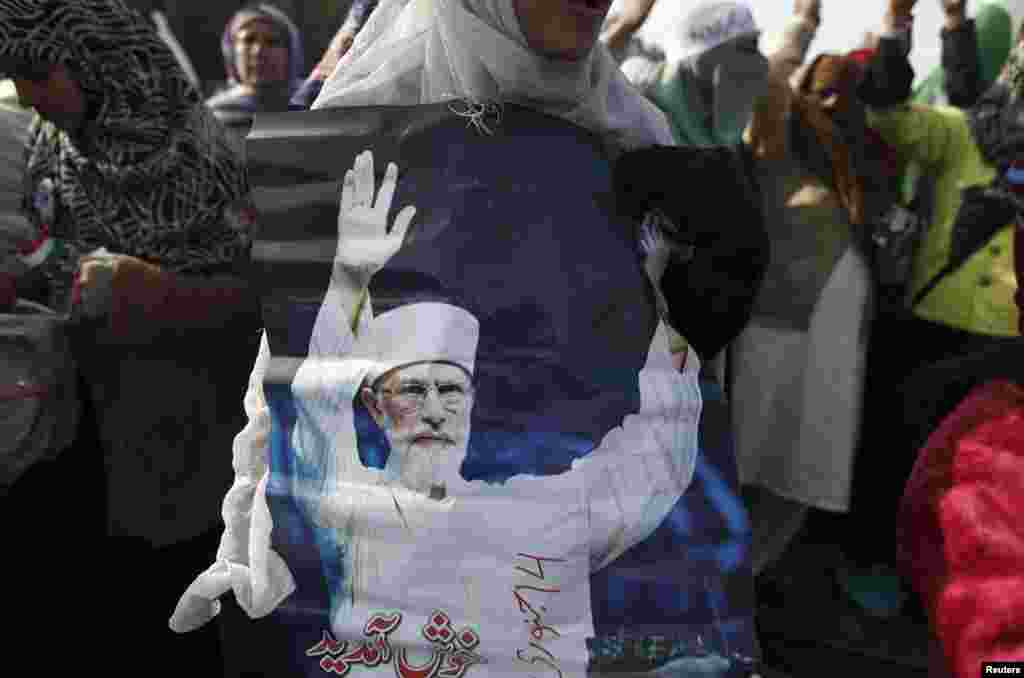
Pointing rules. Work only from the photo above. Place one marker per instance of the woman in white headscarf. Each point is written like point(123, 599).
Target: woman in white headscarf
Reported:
point(713, 70)
point(538, 53)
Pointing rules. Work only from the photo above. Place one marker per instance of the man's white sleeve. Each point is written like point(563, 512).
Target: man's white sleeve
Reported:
point(640, 470)
point(246, 564)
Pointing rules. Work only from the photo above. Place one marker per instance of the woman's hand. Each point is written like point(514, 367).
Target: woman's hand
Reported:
point(341, 43)
point(93, 291)
point(140, 301)
point(899, 15)
point(657, 247)
point(364, 242)
point(955, 12)
point(809, 10)
point(953, 6)
point(623, 25)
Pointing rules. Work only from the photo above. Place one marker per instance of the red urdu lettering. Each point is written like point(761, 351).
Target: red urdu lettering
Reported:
point(327, 645)
point(540, 560)
point(537, 659)
point(524, 587)
point(405, 669)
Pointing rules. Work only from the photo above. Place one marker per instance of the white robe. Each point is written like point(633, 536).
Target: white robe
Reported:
point(625, 488)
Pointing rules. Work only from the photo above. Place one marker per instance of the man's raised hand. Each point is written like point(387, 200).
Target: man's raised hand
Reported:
point(365, 244)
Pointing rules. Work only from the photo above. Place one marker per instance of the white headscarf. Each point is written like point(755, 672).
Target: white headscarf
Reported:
point(427, 51)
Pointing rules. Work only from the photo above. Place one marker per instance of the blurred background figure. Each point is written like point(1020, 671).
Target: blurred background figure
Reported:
point(973, 53)
point(358, 13)
point(156, 12)
point(625, 18)
point(146, 206)
point(712, 73)
point(263, 59)
point(800, 361)
point(16, 234)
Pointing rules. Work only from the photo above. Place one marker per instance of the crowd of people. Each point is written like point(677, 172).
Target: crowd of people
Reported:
point(830, 256)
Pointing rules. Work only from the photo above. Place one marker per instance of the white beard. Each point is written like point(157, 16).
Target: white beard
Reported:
point(419, 471)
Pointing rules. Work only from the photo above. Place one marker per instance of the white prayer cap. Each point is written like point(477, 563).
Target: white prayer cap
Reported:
point(707, 26)
point(417, 333)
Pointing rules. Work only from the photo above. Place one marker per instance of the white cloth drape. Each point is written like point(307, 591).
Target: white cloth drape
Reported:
point(796, 395)
point(426, 51)
point(654, 449)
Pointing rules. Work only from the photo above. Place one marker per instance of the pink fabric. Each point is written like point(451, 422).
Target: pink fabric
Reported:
point(961, 532)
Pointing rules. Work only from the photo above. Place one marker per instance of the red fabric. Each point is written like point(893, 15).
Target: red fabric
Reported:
point(149, 301)
point(8, 291)
point(962, 531)
point(861, 57)
point(881, 150)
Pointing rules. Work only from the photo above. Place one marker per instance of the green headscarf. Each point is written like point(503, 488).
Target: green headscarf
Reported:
point(994, 27)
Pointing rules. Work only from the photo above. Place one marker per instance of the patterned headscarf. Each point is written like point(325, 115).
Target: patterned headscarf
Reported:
point(150, 172)
point(1013, 72)
point(280, 21)
point(997, 118)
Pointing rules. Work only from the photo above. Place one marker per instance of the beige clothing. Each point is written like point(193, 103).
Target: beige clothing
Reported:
point(799, 365)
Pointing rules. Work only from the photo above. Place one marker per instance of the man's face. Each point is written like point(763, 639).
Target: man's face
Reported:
point(55, 96)
point(424, 410)
point(261, 54)
point(562, 29)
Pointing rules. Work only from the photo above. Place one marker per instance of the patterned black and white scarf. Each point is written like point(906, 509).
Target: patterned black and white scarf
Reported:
point(150, 173)
point(997, 118)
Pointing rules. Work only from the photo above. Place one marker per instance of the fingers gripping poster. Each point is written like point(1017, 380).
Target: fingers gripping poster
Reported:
point(482, 459)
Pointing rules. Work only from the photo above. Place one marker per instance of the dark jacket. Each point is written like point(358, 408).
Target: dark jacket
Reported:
point(711, 196)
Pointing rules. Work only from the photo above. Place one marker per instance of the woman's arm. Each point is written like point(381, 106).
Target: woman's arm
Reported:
point(961, 67)
point(623, 24)
point(788, 50)
point(141, 302)
point(344, 38)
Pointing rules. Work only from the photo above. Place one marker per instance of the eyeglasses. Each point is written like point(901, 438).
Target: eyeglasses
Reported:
point(412, 395)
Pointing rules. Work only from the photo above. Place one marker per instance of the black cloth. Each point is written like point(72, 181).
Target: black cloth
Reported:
point(711, 195)
point(84, 597)
point(888, 77)
point(167, 413)
point(961, 67)
point(903, 349)
point(934, 391)
point(997, 123)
